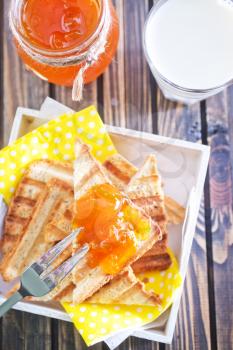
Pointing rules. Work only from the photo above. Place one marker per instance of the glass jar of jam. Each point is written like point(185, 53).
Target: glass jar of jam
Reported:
point(57, 39)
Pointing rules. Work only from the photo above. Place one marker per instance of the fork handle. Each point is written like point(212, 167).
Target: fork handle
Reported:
point(9, 303)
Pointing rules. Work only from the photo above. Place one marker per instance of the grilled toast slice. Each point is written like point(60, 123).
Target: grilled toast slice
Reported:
point(20, 212)
point(124, 289)
point(35, 238)
point(45, 170)
point(114, 289)
point(13, 262)
point(145, 189)
point(87, 173)
point(137, 295)
point(27, 196)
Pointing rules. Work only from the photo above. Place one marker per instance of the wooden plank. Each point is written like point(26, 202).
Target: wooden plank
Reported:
point(126, 84)
point(12, 335)
point(63, 95)
point(36, 330)
point(126, 345)
point(67, 338)
point(70, 339)
point(137, 344)
point(220, 126)
point(114, 78)
point(192, 329)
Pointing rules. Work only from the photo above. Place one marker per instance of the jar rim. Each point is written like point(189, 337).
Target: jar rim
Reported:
point(75, 53)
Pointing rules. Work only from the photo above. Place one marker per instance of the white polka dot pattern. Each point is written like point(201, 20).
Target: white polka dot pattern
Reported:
point(54, 140)
point(104, 320)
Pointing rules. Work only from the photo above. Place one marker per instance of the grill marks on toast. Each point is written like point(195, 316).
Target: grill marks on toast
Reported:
point(59, 224)
point(33, 242)
point(157, 262)
point(119, 170)
point(20, 212)
point(12, 263)
point(37, 213)
point(153, 205)
point(115, 167)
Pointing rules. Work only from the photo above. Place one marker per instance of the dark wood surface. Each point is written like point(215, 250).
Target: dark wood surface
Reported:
point(127, 95)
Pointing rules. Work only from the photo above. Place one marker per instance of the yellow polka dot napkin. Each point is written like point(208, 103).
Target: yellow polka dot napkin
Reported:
point(55, 140)
point(95, 322)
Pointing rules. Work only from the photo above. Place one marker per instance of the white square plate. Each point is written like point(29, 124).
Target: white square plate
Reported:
point(183, 167)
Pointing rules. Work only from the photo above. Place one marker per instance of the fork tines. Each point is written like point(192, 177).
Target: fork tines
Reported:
point(55, 277)
point(43, 264)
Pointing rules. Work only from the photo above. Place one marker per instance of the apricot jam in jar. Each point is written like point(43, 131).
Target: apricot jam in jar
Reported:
point(56, 38)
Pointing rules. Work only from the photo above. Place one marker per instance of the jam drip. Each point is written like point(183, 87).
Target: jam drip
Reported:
point(112, 227)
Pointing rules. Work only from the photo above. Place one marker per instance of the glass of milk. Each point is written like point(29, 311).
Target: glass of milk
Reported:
point(189, 47)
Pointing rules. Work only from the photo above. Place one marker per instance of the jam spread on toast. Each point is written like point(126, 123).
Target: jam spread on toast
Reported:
point(112, 227)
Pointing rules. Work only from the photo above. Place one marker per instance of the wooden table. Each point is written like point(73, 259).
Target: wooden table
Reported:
point(127, 96)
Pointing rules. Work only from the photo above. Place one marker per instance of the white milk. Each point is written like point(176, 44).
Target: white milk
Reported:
point(190, 42)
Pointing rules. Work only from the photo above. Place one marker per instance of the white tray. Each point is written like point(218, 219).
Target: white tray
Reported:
point(183, 166)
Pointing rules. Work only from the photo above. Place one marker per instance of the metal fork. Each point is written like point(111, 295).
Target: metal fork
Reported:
point(39, 279)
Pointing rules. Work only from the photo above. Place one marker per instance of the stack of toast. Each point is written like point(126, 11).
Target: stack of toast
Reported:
point(41, 211)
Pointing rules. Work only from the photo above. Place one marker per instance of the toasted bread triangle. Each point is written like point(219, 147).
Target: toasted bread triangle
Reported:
point(113, 290)
point(124, 289)
point(121, 171)
point(145, 189)
point(137, 295)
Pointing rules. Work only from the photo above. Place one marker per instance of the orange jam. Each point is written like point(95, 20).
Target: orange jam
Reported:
point(60, 26)
point(112, 227)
